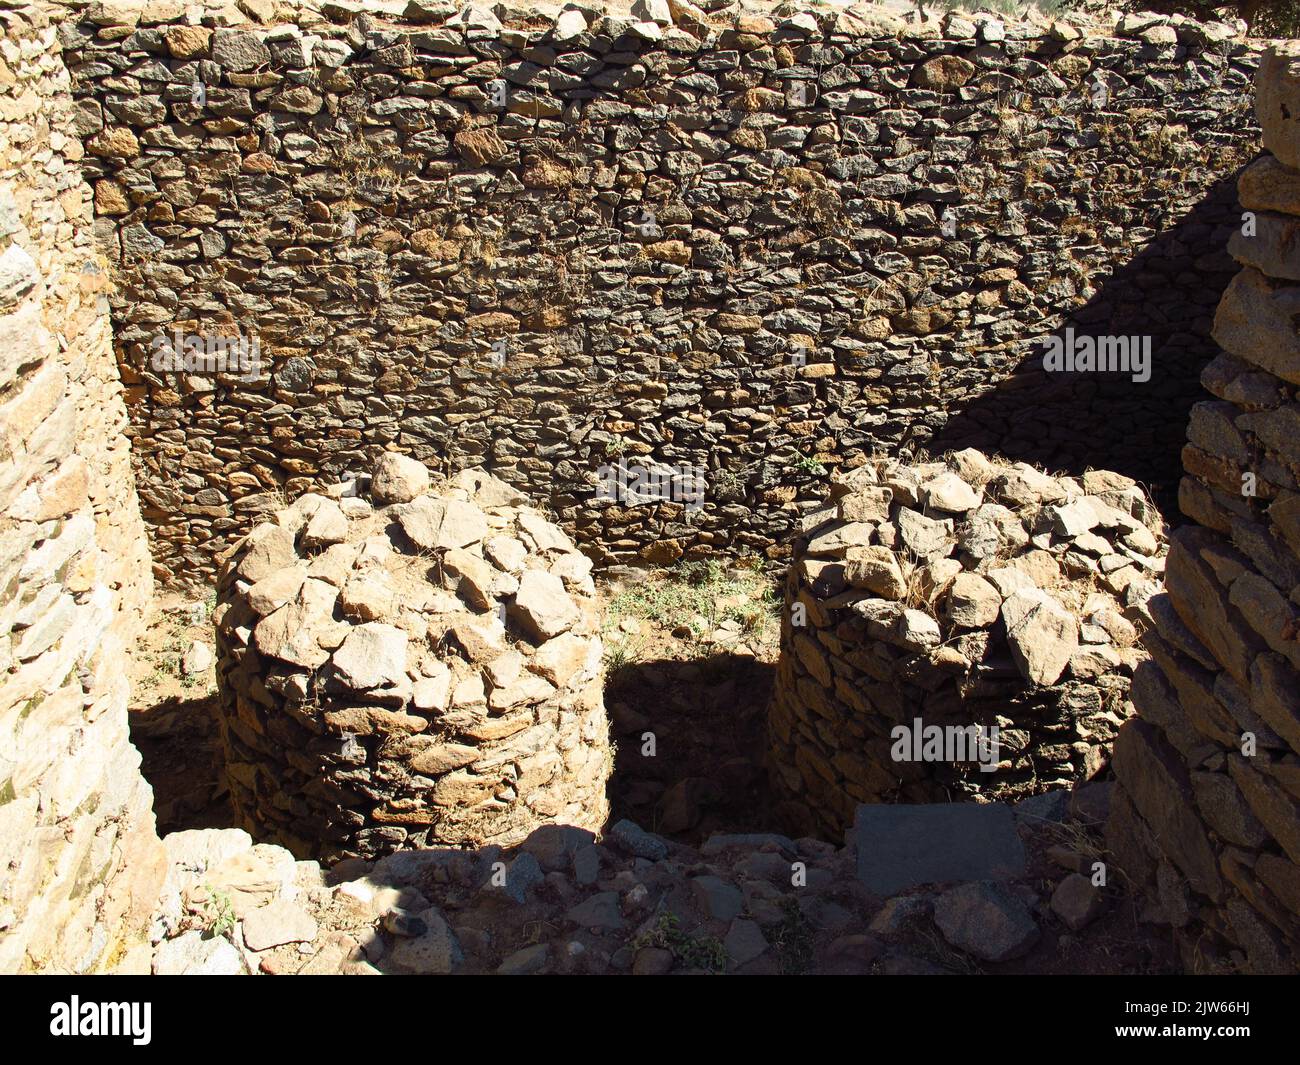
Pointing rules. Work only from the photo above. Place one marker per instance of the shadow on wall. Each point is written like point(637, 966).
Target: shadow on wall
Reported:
point(1036, 416)
point(708, 718)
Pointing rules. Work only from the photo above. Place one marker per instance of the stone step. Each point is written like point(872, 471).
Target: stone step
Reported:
point(904, 846)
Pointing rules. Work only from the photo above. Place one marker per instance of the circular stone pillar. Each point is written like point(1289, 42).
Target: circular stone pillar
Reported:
point(957, 630)
point(404, 666)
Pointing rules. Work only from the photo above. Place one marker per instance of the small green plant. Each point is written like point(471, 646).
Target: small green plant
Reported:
point(620, 655)
point(695, 952)
point(793, 938)
point(699, 595)
point(727, 482)
point(218, 913)
point(809, 464)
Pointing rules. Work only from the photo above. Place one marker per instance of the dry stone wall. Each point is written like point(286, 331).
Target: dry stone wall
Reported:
point(1208, 818)
point(958, 629)
point(747, 249)
point(80, 865)
point(424, 670)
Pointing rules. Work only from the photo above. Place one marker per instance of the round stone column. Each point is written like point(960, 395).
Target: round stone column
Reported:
point(406, 665)
point(957, 630)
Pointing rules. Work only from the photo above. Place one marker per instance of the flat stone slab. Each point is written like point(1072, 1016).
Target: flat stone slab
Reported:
point(904, 846)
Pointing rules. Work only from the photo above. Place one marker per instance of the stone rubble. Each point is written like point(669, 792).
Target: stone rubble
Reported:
point(749, 904)
point(966, 592)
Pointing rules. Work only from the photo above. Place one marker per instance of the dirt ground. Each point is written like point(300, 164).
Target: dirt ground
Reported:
point(173, 717)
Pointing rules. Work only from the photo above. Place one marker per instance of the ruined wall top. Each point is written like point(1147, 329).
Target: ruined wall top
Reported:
point(657, 19)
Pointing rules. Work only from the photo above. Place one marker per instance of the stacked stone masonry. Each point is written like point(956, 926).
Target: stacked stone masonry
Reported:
point(956, 595)
point(80, 865)
point(756, 247)
point(1208, 819)
point(417, 667)
point(684, 239)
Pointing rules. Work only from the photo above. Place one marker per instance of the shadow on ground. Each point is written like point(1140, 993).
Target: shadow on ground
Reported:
point(690, 745)
point(180, 751)
point(705, 774)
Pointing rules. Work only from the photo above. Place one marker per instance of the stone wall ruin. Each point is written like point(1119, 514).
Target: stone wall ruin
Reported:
point(424, 670)
point(80, 865)
point(1207, 822)
point(961, 595)
point(702, 245)
point(755, 248)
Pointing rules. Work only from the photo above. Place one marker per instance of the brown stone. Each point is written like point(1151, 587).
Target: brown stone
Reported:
point(1157, 781)
point(1277, 101)
point(1254, 322)
point(1275, 696)
point(116, 143)
point(1267, 185)
point(943, 73)
point(1202, 603)
point(110, 198)
point(1278, 811)
point(188, 42)
point(443, 758)
point(1282, 878)
point(669, 251)
point(542, 173)
point(481, 147)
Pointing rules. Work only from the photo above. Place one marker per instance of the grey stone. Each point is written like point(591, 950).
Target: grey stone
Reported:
point(398, 479)
point(1077, 902)
point(633, 839)
point(372, 656)
point(276, 923)
point(902, 846)
point(718, 899)
point(1051, 806)
point(191, 954)
point(526, 962)
point(744, 942)
point(436, 952)
point(18, 275)
point(586, 865)
point(555, 845)
point(543, 606)
point(924, 537)
point(238, 50)
point(522, 875)
point(441, 524)
point(973, 602)
point(987, 920)
point(1042, 634)
point(600, 913)
point(949, 493)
